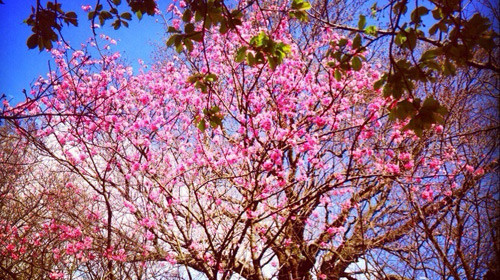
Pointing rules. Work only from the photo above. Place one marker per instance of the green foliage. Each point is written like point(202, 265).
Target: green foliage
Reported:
point(202, 81)
point(211, 116)
point(356, 63)
point(45, 22)
point(262, 47)
point(459, 40)
point(141, 7)
point(298, 10)
point(343, 59)
point(422, 116)
point(371, 30)
point(418, 13)
point(362, 22)
point(430, 113)
point(211, 13)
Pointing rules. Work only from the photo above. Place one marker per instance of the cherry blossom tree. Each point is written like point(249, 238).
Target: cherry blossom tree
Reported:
point(259, 162)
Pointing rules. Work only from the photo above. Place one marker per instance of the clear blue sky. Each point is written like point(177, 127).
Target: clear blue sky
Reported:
point(19, 66)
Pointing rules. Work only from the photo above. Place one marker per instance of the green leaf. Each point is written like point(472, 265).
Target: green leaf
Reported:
point(211, 78)
point(202, 126)
point(411, 41)
point(189, 44)
point(189, 28)
point(403, 110)
point(197, 36)
point(433, 29)
point(430, 113)
point(259, 40)
point(193, 78)
point(215, 109)
point(342, 42)
point(338, 75)
point(171, 40)
point(32, 41)
point(400, 7)
point(400, 38)
point(126, 16)
point(116, 24)
point(298, 9)
point(186, 17)
point(437, 13)
point(273, 62)
point(240, 54)
point(417, 13)
point(47, 44)
point(139, 15)
point(178, 45)
point(378, 84)
point(449, 69)
point(300, 5)
point(356, 63)
point(356, 43)
point(250, 59)
point(223, 27)
point(71, 18)
point(430, 54)
point(487, 42)
point(371, 30)
point(373, 10)
point(198, 15)
point(300, 15)
point(362, 22)
point(105, 15)
point(285, 48)
point(259, 58)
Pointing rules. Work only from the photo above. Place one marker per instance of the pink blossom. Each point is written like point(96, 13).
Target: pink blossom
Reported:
point(266, 123)
point(56, 275)
point(435, 164)
point(268, 165)
point(392, 168)
point(479, 172)
point(130, 206)
point(469, 168)
point(276, 156)
point(147, 222)
point(86, 8)
point(170, 258)
point(319, 121)
point(409, 165)
point(176, 23)
point(428, 193)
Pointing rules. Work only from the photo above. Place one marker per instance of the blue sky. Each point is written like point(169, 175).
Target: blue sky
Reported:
point(19, 66)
